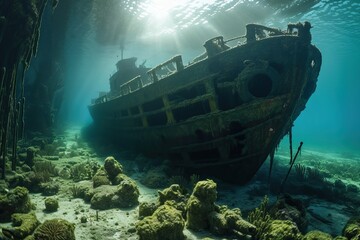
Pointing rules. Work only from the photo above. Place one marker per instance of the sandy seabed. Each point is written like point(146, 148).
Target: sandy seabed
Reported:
point(120, 223)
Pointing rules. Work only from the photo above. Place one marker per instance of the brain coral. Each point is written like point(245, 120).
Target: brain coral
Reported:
point(55, 229)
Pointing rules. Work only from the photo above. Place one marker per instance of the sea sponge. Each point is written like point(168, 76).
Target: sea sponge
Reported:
point(200, 204)
point(51, 205)
point(24, 224)
point(112, 167)
point(55, 229)
point(165, 223)
point(317, 235)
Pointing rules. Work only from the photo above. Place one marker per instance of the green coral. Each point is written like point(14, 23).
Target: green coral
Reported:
point(24, 224)
point(84, 170)
point(127, 194)
point(317, 235)
point(101, 178)
point(147, 209)
point(201, 204)
point(174, 192)
point(55, 229)
point(102, 198)
point(15, 201)
point(217, 223)
point(112, 167)
point(51, 205)
point(166, 223)
point(282, 230)
point(50, 188)
point(119, 178)
point(352, 228)
point(352, 231)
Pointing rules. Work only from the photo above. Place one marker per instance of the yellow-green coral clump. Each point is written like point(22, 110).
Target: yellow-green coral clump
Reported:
point(55, 229)
point(165, 223)
point(201, 204)
point(51, 205)
point(112, 167)
point(101, 178)
point(282, 230)
point(352, 228)
point(15, 201)
point(127, 194)
point(24, 224)
point(317, 235)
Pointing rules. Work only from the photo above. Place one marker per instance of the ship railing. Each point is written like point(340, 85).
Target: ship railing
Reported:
point(131, 85)
point(256, 32)
point(165, 69)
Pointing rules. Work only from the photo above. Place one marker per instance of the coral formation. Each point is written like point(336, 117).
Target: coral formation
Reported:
point(288, 208)
point(55, 229)
point(84, 170)
point(24, 224)
point(317, 235)
point(51, 205)
point(15, 201)
point(165, 223)
point(352, 229)
point(102, 198)
point(50, 188)
point(147, 209)
point(30, 154)
point(101, 178)
point(174, 192)
point(282, 229)
point(200, 204)
point(126, 195)
point(112, 167)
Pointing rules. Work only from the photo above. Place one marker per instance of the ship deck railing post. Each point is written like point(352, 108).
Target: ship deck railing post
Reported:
point(168, 111)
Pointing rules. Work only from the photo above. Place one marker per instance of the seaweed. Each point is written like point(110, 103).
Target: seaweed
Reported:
point(261, 218)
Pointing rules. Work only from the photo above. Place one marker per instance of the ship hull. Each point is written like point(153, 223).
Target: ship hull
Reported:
point(224, 114)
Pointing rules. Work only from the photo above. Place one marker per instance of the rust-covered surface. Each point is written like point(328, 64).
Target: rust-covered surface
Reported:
point(225, 113)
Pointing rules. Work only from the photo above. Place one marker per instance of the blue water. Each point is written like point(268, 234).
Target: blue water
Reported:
point(156, 30)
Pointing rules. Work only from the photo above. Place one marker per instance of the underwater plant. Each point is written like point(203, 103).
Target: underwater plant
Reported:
point(194, 178)
point(178, 179)
point(300, 172)
point(314, 175)
point(261, 218)
point(75, 191)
